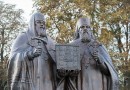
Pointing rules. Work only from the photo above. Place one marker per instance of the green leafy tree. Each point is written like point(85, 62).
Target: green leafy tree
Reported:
point(11, 22)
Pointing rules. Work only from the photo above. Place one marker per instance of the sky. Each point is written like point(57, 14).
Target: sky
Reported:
point(25, 5)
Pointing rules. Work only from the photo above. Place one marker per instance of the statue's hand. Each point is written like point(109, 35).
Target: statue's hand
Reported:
point(37, 51)
point(96, 57)
point(34, 53)
point(74, 72)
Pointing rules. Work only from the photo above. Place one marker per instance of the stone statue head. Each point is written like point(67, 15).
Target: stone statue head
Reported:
point(37, 25)
point(83, 30)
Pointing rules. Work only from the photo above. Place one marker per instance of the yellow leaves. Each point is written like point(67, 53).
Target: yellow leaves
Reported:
point(119, 55)
point(106, 36)
point(63, 27)
point(60, 15)
point(65, 33)
point(48, 23)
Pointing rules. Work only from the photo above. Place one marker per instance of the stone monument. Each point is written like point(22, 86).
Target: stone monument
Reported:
point(31, 64)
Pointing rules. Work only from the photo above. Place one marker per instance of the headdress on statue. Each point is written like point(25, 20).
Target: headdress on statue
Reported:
point(31, 26)
point(80, 22)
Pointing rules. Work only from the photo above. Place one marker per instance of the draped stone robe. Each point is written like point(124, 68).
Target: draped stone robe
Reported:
point(36, 74)
point(92, 76)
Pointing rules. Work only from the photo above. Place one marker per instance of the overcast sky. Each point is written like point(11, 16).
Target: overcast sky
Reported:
point(25, 5)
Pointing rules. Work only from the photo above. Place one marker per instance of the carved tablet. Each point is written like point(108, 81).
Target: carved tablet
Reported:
point(68, 57)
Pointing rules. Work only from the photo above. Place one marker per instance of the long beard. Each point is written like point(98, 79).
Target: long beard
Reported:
point(41, 32)
point(85, 37)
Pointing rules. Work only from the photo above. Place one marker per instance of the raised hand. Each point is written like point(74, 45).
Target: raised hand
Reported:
point(37, 51)
point(34, 53)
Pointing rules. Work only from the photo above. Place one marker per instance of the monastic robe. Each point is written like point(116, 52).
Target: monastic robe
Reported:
point(35, 74)
point(92, 76)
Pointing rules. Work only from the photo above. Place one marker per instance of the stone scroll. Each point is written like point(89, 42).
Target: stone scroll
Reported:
point(68, 57)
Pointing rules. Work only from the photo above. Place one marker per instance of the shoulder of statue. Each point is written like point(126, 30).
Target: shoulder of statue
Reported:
point(95, 43)
point(50, 46)
point(50, 40)
point(19, 41)
point(21, 36)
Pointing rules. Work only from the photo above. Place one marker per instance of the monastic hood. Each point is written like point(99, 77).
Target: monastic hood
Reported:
point(82, 21)
point(34, 17)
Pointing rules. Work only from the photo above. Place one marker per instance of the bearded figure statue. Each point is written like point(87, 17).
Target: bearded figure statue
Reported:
point(31, 64)
point(97, 70)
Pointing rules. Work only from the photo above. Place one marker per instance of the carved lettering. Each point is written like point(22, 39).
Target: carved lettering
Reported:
point(68, 57)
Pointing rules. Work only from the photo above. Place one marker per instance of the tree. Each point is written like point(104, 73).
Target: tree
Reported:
point(11, 22)
point(110, 18)
point(61, 19)
point(115, 15)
